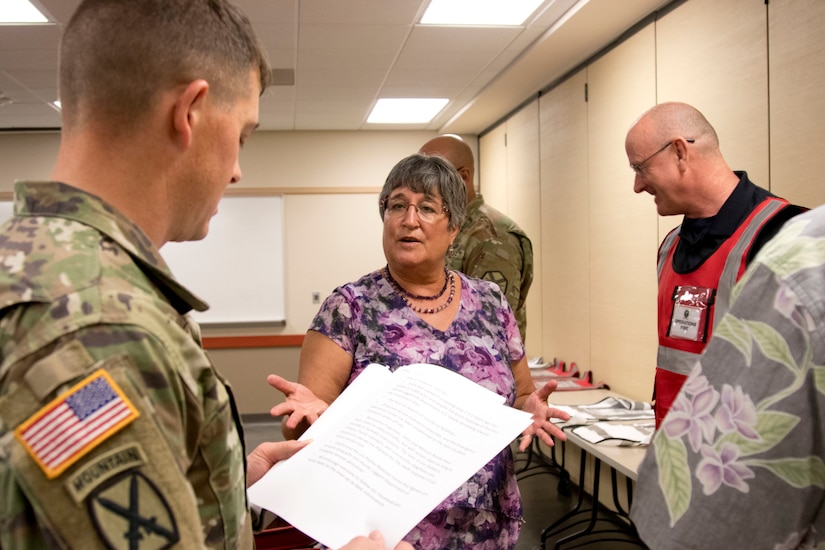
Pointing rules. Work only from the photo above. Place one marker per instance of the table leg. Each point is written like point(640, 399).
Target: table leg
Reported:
point(548, 531)
point(594, 511)
point(622, 523)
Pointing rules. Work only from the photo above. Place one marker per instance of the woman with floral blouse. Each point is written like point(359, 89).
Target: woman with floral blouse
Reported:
point(415, 310)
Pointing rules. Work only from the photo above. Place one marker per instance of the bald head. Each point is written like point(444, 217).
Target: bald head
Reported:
point(456, 152)
point(674, 152)
point(670, 120)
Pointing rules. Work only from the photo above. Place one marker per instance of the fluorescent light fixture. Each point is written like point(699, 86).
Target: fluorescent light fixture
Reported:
point(502, 13)
point(406, 110)
point(20, 11)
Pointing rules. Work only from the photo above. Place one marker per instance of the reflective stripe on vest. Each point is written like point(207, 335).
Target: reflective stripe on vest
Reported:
point(682, 361)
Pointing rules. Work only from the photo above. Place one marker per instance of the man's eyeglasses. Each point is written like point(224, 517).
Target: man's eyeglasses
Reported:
point(640, 166)
point(427, 212)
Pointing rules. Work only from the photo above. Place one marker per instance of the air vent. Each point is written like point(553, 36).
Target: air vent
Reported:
point(283, 77)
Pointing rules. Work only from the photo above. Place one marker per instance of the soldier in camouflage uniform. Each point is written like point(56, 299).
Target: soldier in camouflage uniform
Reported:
point(489, 245)
point(116, 431)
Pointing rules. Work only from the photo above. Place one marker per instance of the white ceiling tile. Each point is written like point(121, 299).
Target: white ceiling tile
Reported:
point(35, 79)
point(278, 94)
point(345, 55)
point(31, 60)
point(370, 12)
point(322, 58)
point(29, 37)
point(270, 11)
point(277, 37)
point(333, 76)
point(352, 92)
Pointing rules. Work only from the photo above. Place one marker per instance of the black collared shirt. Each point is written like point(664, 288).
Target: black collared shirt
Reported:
point(701, 237)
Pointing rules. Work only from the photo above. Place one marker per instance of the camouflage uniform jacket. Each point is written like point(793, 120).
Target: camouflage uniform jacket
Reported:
point(115, 429)
point(492, 247)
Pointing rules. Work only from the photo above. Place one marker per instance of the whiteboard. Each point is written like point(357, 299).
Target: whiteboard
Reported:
point(238, 269)
point(6, 210)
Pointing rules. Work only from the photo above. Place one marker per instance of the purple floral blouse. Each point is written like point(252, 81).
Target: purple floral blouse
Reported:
point(373, 323)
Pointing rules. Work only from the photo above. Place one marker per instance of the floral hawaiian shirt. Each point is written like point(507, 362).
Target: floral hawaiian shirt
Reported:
point(738, 460)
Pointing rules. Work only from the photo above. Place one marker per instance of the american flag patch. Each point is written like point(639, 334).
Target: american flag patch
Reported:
point(73, 424)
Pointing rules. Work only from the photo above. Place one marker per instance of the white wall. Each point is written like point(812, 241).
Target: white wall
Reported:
point(26, 156)
point(332, 228)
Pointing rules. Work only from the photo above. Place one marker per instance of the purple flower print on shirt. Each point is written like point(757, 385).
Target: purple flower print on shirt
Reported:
point(787, 303)
point(693, 417)
point(736, 413)
point(720, 467)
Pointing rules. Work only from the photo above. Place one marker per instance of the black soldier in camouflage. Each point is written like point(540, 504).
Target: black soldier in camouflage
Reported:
point(489, 245)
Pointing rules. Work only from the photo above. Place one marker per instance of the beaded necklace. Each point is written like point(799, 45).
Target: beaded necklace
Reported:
point(448, 278)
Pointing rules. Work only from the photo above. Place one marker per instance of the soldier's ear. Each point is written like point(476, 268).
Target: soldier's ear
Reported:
point(464, 172)
point(188, 110)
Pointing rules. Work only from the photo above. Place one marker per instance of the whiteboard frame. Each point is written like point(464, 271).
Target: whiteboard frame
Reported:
point(238, 269)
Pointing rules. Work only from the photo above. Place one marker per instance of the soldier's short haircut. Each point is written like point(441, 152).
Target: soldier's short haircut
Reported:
point(430, 175)
point(116, 55)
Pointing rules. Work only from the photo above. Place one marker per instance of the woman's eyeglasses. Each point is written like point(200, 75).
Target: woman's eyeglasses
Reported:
point(427, 212)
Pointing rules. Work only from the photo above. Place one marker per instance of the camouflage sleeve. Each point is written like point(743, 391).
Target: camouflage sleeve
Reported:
point(163, 463)
point(499, 261)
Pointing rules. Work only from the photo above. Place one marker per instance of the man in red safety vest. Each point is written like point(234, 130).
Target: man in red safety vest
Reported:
point(675, 154)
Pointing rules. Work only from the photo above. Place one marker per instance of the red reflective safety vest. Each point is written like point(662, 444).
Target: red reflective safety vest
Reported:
point(718, 274)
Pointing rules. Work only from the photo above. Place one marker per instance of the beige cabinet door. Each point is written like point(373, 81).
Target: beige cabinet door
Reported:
point(510, 183)
point(524, 205)
point(797, 102)
point(492, 176)
point(713, 55)
point(565, 229)
point(623, 225)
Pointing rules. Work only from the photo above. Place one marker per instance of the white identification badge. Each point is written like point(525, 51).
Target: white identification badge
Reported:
point(691, 313)
point(685, 322)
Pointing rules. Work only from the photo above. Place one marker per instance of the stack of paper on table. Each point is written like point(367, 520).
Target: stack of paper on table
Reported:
point(387, 451)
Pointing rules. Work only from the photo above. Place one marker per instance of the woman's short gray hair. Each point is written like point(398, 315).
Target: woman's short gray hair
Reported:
point(433, 176)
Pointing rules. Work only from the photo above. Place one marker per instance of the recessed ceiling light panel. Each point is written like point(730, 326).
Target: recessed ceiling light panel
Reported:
point(20, 12)
point(406, 110)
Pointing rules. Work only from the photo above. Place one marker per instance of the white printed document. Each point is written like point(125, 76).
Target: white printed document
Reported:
point(388, 451)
